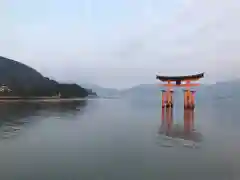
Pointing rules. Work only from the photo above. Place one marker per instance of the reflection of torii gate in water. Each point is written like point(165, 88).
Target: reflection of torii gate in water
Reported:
point(179, 81)
point(186, 131)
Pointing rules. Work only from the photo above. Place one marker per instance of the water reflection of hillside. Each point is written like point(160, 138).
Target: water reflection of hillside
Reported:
point(184, 131)
point(14, 116)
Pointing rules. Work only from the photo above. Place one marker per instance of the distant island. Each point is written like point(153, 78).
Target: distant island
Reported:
point(18, 80)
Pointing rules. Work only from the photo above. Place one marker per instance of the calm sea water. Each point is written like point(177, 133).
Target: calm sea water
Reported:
point(118, 139)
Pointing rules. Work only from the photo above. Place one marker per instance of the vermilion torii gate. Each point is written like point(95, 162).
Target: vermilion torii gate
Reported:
point(179, 81)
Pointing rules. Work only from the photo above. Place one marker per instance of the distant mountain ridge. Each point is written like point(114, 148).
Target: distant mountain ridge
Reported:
point(26, 81)
point(152, 92)
point(101, 91)
point(220, 90)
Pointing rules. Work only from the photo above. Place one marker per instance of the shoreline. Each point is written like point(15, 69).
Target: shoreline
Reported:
point(40, 99)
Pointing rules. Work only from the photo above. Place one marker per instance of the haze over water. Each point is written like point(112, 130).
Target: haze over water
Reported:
point(115, 139)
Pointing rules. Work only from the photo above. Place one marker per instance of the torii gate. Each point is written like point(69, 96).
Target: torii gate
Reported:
point(179, 81)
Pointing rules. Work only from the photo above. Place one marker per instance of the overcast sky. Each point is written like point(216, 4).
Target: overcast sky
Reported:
point(120, 43)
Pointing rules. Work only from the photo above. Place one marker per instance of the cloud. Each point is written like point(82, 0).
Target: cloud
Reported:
point(125, 43)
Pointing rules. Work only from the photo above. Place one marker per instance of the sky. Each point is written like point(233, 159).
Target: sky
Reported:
point(123, 43)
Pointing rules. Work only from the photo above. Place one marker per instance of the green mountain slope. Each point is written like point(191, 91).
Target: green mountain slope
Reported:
point(26, 81)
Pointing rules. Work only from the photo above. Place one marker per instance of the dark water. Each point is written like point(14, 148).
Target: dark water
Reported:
point(116, 140)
